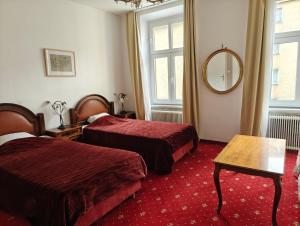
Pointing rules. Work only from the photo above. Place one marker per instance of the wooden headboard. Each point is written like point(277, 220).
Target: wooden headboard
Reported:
point(90, 105)
point(16, 118)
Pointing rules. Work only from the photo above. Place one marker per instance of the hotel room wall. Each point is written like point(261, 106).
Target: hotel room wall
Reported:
point(28, 26)
point(220, 22)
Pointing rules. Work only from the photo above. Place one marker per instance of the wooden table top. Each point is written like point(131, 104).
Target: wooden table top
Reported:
point(255, 153)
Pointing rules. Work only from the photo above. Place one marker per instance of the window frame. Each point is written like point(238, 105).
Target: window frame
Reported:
point(170, 54)
point(281, 38)
point(175, 54)
point(276, 50)
point(277, 79)
point(279, 17)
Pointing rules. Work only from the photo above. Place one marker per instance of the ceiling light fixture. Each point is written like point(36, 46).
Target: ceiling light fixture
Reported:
point(137, 3)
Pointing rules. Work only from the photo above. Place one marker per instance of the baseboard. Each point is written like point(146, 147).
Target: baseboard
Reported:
point(202, 141)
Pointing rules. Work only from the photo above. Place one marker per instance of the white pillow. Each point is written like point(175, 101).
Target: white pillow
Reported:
point(95, 117)
point(13, 136)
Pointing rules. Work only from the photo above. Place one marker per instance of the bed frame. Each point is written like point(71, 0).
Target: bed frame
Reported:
point(16, 118)
point(90, 105)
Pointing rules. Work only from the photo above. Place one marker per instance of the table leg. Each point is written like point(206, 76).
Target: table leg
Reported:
point(218, 187)
point(277, 183)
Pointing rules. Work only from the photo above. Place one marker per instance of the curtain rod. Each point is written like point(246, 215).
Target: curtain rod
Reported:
point(156, 5)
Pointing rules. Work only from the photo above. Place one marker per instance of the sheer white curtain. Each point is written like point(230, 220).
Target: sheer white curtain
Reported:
point(271, 10)
point(144, 47)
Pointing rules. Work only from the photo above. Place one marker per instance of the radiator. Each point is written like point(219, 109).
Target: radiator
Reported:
point(286, 126)
point(167, 116)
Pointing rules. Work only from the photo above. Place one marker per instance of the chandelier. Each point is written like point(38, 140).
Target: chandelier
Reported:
point(137, 3)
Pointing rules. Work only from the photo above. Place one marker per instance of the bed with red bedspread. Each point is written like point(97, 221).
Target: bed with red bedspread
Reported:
point(53, 182)
point(155, 141)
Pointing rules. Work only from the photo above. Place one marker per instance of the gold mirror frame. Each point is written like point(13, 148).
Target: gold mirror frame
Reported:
point(204, 70)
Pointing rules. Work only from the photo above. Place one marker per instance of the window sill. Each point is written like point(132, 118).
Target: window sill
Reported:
point(284, 109)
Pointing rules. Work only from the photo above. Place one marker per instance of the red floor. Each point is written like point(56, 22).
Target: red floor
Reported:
point(188, 197)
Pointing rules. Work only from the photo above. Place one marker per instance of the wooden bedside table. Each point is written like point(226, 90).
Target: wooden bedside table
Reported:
point(69, 133)
point(126, 114)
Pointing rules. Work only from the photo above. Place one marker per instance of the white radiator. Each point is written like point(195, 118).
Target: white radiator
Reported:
point(285, 126)
point(167, 116)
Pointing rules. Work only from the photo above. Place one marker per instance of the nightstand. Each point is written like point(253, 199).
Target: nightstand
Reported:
point(126, 114)
point(69, 133)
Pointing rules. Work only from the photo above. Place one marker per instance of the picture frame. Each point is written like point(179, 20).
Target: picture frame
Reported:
point(59, 63)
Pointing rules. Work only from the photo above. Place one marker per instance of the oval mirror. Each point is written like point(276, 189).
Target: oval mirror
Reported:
point(222, 71)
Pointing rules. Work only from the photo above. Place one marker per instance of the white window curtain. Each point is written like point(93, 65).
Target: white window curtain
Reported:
point(270, 35)
point(143, 34)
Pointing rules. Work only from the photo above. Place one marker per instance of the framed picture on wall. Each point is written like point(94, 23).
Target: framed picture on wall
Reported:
point(59, 63)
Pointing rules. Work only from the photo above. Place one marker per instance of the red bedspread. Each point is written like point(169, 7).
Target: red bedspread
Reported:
point(154, 141)
point(53, 181)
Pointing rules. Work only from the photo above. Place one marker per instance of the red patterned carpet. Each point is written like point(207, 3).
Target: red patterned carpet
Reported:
point(188, 197)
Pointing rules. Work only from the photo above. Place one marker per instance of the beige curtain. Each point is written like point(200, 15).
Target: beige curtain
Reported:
point(191, 80)
point(135, 63)
point(257, 67)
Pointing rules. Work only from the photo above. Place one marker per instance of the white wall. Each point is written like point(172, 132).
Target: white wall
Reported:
point(220, 22)
point(28, 26)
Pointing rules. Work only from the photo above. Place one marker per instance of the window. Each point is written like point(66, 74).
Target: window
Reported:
point(285, 91)
point(278, 15)
point(275, 49)
point(166, 56)
point(275, 77)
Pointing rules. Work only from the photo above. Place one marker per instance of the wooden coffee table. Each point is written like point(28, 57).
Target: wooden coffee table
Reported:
point(257, 156)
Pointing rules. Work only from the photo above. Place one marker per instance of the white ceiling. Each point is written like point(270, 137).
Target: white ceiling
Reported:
point(109, 5)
